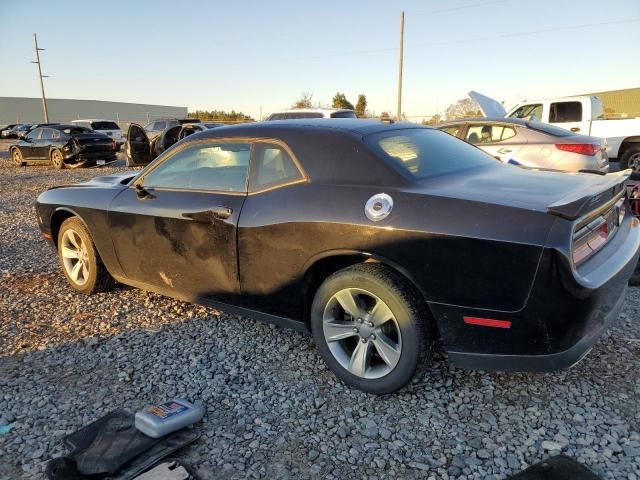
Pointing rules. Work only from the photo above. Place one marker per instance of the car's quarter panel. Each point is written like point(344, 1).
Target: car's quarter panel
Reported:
point(171, 239)
point(455, 251)
point(90, 202)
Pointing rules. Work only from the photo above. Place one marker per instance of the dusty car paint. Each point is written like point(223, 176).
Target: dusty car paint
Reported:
point(493, 243)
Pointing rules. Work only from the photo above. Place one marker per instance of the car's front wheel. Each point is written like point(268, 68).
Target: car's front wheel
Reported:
point(370, 327)
point(79, 258)
point(18, 160)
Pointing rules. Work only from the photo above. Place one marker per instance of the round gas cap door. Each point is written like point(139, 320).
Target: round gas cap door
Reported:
point(378, 207)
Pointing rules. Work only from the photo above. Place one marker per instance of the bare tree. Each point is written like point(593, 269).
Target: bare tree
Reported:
point(463, 108)
point(305, 101)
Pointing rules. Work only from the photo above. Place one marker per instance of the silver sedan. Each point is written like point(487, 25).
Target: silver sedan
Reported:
point(532, 144)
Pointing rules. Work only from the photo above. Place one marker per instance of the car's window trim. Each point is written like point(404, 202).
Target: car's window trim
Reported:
point(304, 178)
point(491, 124)
point(212, 141)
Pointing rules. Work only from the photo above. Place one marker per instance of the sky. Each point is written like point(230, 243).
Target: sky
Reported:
point(260, 56)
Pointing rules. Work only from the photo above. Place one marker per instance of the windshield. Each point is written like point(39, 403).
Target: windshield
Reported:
point(424, 152)
point(550, 129)
point(105, 126)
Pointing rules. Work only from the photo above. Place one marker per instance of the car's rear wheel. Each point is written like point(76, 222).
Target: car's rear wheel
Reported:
point(16, 155)
point(79, 258)
point(57, 160)
point(631, 159)
point(369, 325)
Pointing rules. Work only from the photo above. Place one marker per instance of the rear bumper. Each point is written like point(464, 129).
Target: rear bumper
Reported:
point(543, 362)
point(564, 316)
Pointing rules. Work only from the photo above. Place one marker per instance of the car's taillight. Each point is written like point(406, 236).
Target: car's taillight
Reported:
point(592, 237)
point(581, 148)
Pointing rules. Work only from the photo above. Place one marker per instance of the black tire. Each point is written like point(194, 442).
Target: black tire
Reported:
point(57, 159)
point(631, 159)
point(634, 281)
point(411, 317)
point(16, 156)
point(98, 278)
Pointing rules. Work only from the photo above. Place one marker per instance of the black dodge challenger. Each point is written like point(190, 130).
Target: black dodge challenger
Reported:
point(377, 238)
point(63, 146)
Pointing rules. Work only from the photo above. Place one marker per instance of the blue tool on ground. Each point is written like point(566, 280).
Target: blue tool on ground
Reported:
point(161, 419)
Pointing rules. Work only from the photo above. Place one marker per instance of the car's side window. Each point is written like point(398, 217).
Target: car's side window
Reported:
point(532, 112)
point(47, 134)
point(271, 165)
point(452, 130)
point(34, 135)
point(564, 112)
point(478, 134)
point(221, 167)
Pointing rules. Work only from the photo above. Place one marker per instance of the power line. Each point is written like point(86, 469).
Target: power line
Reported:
point(463, 7)
point(466, 40)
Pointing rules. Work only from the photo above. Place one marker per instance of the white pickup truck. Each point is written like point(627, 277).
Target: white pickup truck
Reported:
point(582, 115)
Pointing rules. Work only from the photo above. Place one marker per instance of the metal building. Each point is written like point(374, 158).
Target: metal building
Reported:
point(29, 110)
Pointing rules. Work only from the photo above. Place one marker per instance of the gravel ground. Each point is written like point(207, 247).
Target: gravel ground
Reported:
point(273, 408)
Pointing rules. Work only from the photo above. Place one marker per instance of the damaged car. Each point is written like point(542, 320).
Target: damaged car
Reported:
point(63, 146)
point(140, 148)
point(382, 240)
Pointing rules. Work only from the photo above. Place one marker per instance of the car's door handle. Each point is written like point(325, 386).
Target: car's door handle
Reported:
point(575, 129)
point(220, 213)
point(504, 150)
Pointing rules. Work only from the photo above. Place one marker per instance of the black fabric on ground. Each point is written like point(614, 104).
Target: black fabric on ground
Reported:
point(559, 467)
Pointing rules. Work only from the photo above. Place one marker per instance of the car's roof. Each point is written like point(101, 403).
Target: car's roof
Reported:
point(515, 121)
point(314, 110)
point(353, 125)
point(93, 120)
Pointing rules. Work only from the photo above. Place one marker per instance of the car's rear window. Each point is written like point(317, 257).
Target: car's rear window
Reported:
point(105, 126)
point(345, 114)
point(76, 130)
point(550, 129)
point(424, 152)
point(295, 115)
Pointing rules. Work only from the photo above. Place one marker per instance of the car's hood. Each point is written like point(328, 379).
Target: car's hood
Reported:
point(562, 193)
point(489, 106)
point(104, 181)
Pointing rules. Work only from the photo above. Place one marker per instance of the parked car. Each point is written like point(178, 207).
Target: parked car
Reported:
point(108, 127)
point(140, 142)
point(7, 130)
point(531, 144)
point(21, 130)
point(156, 127)
point(375, 237)
point(581, 114)
point(301, 113)
point(63, 146)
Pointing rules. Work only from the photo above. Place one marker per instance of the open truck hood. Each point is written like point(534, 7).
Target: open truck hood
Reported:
point(489, 106)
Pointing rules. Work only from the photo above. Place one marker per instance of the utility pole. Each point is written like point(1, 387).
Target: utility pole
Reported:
point(400, 67)
point(40, 76)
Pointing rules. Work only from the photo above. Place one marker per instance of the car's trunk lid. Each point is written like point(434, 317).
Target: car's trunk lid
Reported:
point(568, 195)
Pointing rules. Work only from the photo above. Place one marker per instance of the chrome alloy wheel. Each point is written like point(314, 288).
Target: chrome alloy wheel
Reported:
point(75, 257)
point(362, 333)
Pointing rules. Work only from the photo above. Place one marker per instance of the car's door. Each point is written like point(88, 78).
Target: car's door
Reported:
point(44, 143)
point(499, 140)
point(137, 146)
point(568, 115)
point(175, 228)
point(29, 144)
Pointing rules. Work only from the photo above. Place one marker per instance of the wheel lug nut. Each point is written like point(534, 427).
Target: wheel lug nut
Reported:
point(360, 320)
point(355, 329)
point(364, 340)
point(373, 336)
point(370, 324)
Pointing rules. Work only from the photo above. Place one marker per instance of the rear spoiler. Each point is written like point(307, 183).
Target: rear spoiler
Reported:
point(579, 203)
